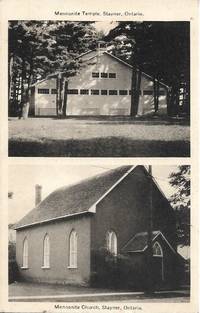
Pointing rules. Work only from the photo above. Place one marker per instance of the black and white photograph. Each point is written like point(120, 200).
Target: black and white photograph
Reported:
point(99, 233)
point(99, 156)
point(99, 89)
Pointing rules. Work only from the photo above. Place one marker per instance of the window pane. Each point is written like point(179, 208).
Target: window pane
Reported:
point(130, 92)
point(112, 92)
point(72, 91)
point(104, 75)
point(53, 91)
point(95, 74)
point(157, 250)
point(112, 75)
point(104, 92)
point(46, 252)
point(123, 92)
point(43, 91)
point(73, 249)
point(148, 92)
point(112, 242)
point(25, 253)
point(84, 92)
point(94, 92)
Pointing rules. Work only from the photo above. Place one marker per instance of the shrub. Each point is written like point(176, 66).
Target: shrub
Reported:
point(116, 271)
point(13, 274)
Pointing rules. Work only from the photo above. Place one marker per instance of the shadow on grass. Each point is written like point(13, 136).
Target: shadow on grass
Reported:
point(111, 120)
point(99, 147)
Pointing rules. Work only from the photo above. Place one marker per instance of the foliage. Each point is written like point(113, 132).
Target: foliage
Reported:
point(116, 271)
point(12, 250)
point(180, 200)
point(161, 49)
point(40, 48)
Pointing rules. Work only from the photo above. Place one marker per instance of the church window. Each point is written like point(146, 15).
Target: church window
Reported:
point(111, 243)
point(73, 249)
point(46, 252)
point(25, 254)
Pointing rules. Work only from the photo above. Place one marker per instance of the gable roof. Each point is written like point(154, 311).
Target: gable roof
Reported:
point(117, 59)
point(95, 54)
point(139, 242)
point(76, 199)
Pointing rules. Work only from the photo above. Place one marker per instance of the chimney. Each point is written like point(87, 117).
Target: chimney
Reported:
point(101, 48)
point(38, 194)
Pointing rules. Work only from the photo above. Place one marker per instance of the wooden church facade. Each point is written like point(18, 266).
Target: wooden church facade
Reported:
point(57, 240)
point(101, 87)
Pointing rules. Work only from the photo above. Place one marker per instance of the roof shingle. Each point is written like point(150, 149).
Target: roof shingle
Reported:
point(73, 199)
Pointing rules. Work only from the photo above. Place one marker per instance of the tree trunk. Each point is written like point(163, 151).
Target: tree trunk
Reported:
point(139, 75)
point(156, 94)
point(57, 94)
point(133, 111)
point(64, 111)
point(10, 76)
point(30, 78)
point(23, 74)
point(62, 85)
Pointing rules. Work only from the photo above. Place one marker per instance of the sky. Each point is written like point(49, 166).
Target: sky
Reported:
point(105, 26)
point(24, 177)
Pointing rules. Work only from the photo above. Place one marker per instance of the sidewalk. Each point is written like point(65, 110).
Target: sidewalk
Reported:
point(57, 293)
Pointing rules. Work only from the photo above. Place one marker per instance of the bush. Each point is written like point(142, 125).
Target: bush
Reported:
point(13, 274)
point(116, 271)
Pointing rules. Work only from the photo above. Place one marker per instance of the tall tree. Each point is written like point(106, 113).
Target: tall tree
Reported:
point(161, 49)
point(180, 200)
point(40, 48)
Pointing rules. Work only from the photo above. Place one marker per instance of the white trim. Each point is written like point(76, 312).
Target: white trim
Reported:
point(135, 236)
point(46, 251)
point(24, 267)
point(160, 256)
point(25, 257)
point(161, 250)
point(45, 267)
point(111, 242)
point(159, 233)
point(73, 249)
point(51, 219)
point(93, 207)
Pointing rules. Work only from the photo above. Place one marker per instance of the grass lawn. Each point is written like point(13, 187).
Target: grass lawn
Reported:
point(98, 137)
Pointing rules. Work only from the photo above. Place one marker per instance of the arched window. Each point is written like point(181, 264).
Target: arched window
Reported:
point(25, 254)
point(158, 253)
point(157, 250)
point(112, 242)
point(73, 249)
point(46, 252)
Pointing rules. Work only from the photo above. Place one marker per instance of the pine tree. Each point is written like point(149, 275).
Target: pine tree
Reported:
point(38, 49)
point(180, 200)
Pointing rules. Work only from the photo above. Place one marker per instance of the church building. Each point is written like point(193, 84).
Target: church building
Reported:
point(57, 240)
